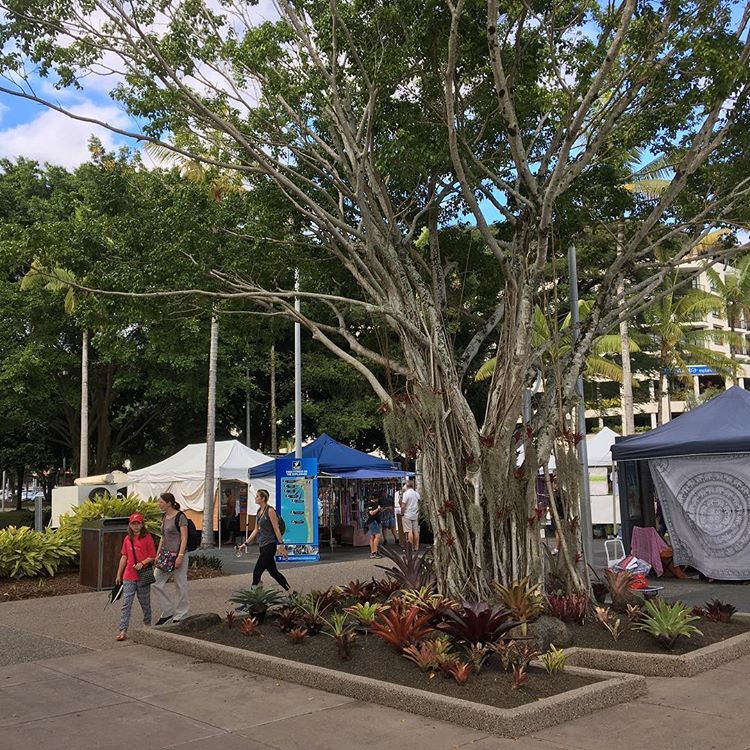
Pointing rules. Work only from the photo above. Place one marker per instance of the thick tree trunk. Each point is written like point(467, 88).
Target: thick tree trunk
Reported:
point(274, 439)
point(628, 419)
point(207, 536)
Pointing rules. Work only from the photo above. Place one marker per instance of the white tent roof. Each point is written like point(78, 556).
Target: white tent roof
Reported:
point(183, 473)
point(598, 446)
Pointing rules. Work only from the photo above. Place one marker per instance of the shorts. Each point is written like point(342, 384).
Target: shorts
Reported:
point(388, 518)
point(373, 527)
point(410, 525)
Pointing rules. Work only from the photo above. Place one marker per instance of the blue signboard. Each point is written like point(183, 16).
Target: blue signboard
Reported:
point(692, 370)
point(297, 504)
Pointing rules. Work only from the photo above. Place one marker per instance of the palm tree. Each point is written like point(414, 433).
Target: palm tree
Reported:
point(597, 365)
point(671, 334)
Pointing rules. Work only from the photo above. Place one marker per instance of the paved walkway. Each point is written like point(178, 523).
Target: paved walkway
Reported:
point(65, 682)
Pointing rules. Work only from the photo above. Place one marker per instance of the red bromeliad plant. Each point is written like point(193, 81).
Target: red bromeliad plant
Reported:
point(286, 618)
point(717, 611)
point(568, 607)
point(401, 626)
point(297, 635)
point(519, 676)
point(384, 588)
point(477, 623)
point(250, 626)
point(410, 569)
point(231, 616)
point(460, 672)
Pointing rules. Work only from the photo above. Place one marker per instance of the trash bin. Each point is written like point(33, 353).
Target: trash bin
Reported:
point(101, 541)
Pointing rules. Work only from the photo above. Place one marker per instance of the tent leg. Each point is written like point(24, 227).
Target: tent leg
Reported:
point(219, 512)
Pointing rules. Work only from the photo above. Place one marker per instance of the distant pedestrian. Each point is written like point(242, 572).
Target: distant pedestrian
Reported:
point(410, 514)
point(137, 554)
point(388, 516)
point(172, 560)
point(270, 541)
point(373, 524)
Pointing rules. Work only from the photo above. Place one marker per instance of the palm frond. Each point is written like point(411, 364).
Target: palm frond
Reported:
point(486, 370)
point(611, 344)
point(651, 188)
point(604, 368)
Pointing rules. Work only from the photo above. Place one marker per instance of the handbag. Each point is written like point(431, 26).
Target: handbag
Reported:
point(145, 575)
point(166, 560)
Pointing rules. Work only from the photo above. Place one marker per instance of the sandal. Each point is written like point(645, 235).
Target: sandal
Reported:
point(121, 636)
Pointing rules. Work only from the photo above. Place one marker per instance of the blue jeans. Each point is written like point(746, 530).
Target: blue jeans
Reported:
point(131, 589)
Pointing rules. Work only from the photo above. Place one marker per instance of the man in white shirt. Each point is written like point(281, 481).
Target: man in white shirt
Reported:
point(410, 514)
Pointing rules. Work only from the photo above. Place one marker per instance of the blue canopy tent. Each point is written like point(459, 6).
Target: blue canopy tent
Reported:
point(698, 465)
point(352, 474)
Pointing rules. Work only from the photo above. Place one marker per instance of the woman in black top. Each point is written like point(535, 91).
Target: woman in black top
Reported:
point(269, 540)
point(373, 524)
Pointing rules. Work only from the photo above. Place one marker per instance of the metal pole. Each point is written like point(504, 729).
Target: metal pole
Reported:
point(83, 462)
point(297, 375)
point(3, 500)
point(247, 407)
point(586, 530)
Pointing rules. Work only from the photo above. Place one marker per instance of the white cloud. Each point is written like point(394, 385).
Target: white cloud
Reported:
point(55, 138)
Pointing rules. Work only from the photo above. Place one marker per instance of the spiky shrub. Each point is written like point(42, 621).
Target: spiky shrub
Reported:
point(523, 598)
point(635, 612)
point(717, 611)
point(519, 676)
point(206, 561)
point(311, 614)
point(108, 507)
point(478, 654)
point(338, 627)
point(410, 570)
point(554, 660)
point(429, 602)
point(361, 591)
point(477, 623)
point(619, 582)
point(250, 626)
point(522, 654)
point(384, 588)
point(364, 613)
point(460, 672)
point(297, 635)
point(25, 552)
point(422, 655)
point(401, 626)
point(230, 618)
point(568, 607)
point(327, 599)
point(257, 600)
point(286, 618)
point(506, 652)
point(667, 622)
point(605, 618)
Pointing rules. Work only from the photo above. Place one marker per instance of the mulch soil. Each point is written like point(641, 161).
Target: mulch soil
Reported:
point(66, 582)
point(372, 657)
point(594, 635)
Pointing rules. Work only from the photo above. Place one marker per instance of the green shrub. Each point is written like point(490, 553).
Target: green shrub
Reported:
point(667, 622)
point(25, 552)
point(108, 507)
point(206, 561)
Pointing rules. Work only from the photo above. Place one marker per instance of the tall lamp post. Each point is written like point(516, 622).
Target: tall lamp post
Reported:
point(583, 457)
point(297, 374)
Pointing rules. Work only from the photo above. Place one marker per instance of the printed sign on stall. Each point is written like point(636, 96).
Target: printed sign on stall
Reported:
point(297, 504)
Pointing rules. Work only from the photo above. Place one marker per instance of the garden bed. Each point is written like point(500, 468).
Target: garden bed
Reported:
point(638, 653)
point(378, 675)
point(66, 582)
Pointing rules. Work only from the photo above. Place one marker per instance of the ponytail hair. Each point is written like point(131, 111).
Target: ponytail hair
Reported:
point(168, 498)
point(264, 494)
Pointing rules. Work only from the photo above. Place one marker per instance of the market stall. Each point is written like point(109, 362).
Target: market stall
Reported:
point(183, 474)
point(346, 478)
point(698, 467)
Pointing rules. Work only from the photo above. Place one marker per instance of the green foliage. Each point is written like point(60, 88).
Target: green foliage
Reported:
point(667, 622)
point(257, 600)
point(108, 507)
point(523, 598)
point(206, 561)
point(365, 612)
point(554, 660)
point(24, 552)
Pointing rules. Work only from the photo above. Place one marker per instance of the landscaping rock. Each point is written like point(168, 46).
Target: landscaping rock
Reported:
point(548, 631)
point(195, 623)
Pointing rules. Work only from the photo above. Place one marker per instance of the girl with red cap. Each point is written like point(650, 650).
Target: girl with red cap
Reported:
point(138, 552)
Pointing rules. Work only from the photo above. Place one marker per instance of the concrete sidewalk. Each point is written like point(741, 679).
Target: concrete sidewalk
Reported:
point(66, 682)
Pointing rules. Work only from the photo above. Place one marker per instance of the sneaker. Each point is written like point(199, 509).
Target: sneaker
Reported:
point(378, 556)
point(373, 555)
point(163, 620)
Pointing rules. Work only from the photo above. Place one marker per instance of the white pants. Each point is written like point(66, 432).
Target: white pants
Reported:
point(180, 609)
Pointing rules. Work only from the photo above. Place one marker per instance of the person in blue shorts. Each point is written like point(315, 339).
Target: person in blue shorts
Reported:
point(388, 517)
point(373, 524)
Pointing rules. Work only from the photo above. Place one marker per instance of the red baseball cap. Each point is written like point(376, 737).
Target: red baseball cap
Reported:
point(136, 518)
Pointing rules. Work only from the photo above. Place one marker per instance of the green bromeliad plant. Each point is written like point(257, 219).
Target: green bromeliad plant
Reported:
point(108, 507)
point(25, 552)
point(667, 622)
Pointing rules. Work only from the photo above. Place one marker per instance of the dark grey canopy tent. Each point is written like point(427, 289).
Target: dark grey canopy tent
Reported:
point(699, 466)
point(721, 425)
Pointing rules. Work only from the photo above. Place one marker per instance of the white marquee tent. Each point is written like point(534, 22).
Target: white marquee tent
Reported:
point(183, 474)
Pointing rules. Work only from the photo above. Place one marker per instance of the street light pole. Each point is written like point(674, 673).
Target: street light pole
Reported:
point(297, 374)
point(583, 457)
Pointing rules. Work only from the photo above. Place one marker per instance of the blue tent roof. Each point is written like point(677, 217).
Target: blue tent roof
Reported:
point(721, 425)
point(339, 460)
